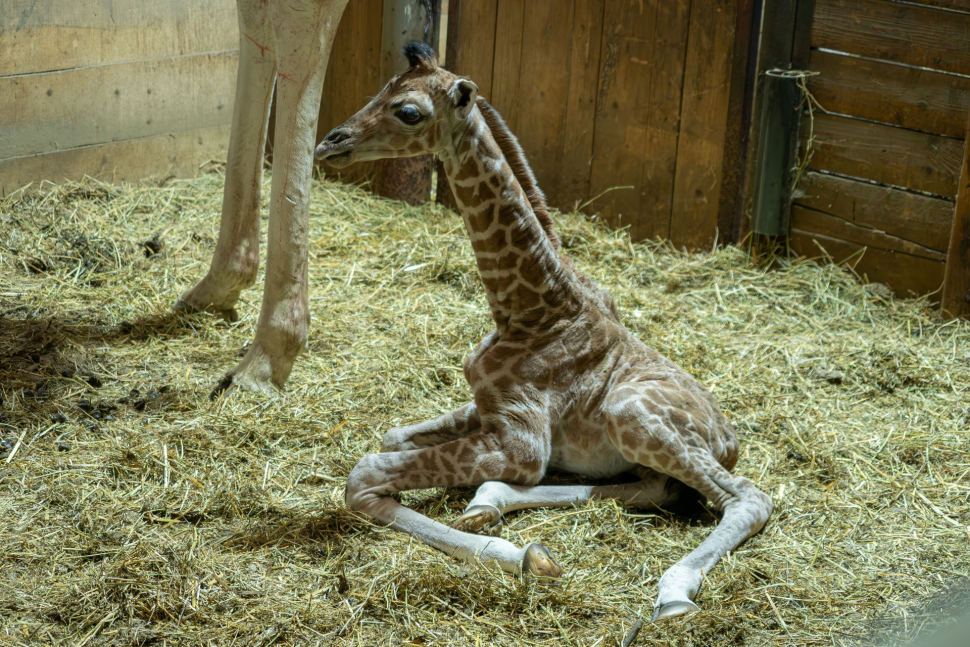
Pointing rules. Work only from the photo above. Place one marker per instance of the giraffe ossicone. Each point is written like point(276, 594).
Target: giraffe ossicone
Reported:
point(560, 384)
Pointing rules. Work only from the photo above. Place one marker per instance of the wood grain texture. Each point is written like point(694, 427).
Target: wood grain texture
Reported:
point(637, 114)
point(894, 31)
point(544, 89)
point(731, 200)
point(899, 95)
point(956, 288)
point(664, 120)
point(178, 154)
point(53, 111)
point(908, 276)
point(507, 64)
point(953, 5)
point(47, 36)
point(885, 154)
point(578, 132)
point(803, 219)
point(919, 219)
point(473, 39)
point(703, 123)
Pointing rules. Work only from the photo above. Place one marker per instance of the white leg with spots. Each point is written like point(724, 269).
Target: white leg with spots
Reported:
point(451, 426)
point(303, 34)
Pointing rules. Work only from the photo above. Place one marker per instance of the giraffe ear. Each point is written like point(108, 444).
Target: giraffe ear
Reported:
point(463, 94)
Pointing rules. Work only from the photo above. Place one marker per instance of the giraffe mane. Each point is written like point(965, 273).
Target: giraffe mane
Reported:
point(515, 157)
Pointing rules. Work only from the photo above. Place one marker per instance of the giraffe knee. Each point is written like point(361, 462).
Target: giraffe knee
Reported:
point(360, 492)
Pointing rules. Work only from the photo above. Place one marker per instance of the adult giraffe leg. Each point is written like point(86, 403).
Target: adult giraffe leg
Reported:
point(466, 461)
point(303, 33)
point(643, 432)
point(494, 498)
point(236, 258)
point(456, 424)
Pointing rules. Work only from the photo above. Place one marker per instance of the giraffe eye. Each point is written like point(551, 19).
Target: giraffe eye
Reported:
point(409, 115)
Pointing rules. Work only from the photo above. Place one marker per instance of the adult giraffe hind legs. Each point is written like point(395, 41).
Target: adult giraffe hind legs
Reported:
point(286, 44)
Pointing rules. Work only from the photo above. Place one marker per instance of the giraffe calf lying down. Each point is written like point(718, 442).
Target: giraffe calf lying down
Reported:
point(560, 384)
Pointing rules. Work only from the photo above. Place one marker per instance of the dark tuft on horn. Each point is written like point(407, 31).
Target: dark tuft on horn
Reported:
point(420, 54)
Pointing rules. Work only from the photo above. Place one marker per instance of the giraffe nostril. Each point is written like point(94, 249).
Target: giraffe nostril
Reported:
point(337, 135)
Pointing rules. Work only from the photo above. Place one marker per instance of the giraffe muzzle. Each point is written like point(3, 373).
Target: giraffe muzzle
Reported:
point(336, 148)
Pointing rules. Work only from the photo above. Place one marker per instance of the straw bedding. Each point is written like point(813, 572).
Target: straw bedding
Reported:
point(135, 511)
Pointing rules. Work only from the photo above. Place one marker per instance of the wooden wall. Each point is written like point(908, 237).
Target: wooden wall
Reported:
point(887, 161)
point(115, 89)
point(602, 95)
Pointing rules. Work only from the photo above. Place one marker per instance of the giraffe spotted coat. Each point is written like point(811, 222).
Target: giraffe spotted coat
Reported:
point(560, 384)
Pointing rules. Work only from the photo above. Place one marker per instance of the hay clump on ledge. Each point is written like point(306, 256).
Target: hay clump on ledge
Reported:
point(136, 511)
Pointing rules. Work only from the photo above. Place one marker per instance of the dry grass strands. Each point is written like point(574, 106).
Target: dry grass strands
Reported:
point(134, 511)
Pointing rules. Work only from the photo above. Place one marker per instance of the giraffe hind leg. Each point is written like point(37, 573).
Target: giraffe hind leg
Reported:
point(643, 432)
point(484, 513)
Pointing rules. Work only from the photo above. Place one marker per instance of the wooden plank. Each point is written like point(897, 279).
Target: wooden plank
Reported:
point(474, 41)
point(920, 219)
point(622, 112)
point(46, 36)
point(953, 5)
point(775, 36)
point(178, 154)
point(804, 219)
point(802, 35)
point(900, 95)
point(664, 110)
point(907, 275)
point(638, 114)
point(892, 31)
point(507, 65)
point(956, 287)
point(544, 90)
point(730, 203)
point(584, 65)
point(700, 152)
point(884, 154)
point(41, 113)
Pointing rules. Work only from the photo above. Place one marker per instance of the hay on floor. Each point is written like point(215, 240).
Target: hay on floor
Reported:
point(134, 511)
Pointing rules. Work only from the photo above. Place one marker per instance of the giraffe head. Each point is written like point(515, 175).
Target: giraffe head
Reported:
point(421, 110)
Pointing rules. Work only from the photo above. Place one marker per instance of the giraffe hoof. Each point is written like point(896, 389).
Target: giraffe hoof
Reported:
point(485, 519)
point(673, 610)
point(539, 562)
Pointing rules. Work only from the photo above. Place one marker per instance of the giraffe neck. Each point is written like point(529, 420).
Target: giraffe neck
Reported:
point(526, 283)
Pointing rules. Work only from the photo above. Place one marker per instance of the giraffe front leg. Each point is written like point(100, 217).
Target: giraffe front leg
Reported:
point(236, 257)
point(303, 32)
point(451, 426)
point(485, 512)
point(466, 461)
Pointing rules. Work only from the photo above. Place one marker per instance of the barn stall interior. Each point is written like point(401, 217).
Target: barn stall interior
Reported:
point(137, 511)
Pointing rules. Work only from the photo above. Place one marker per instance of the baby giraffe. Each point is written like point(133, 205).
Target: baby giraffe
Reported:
point(560, 384)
